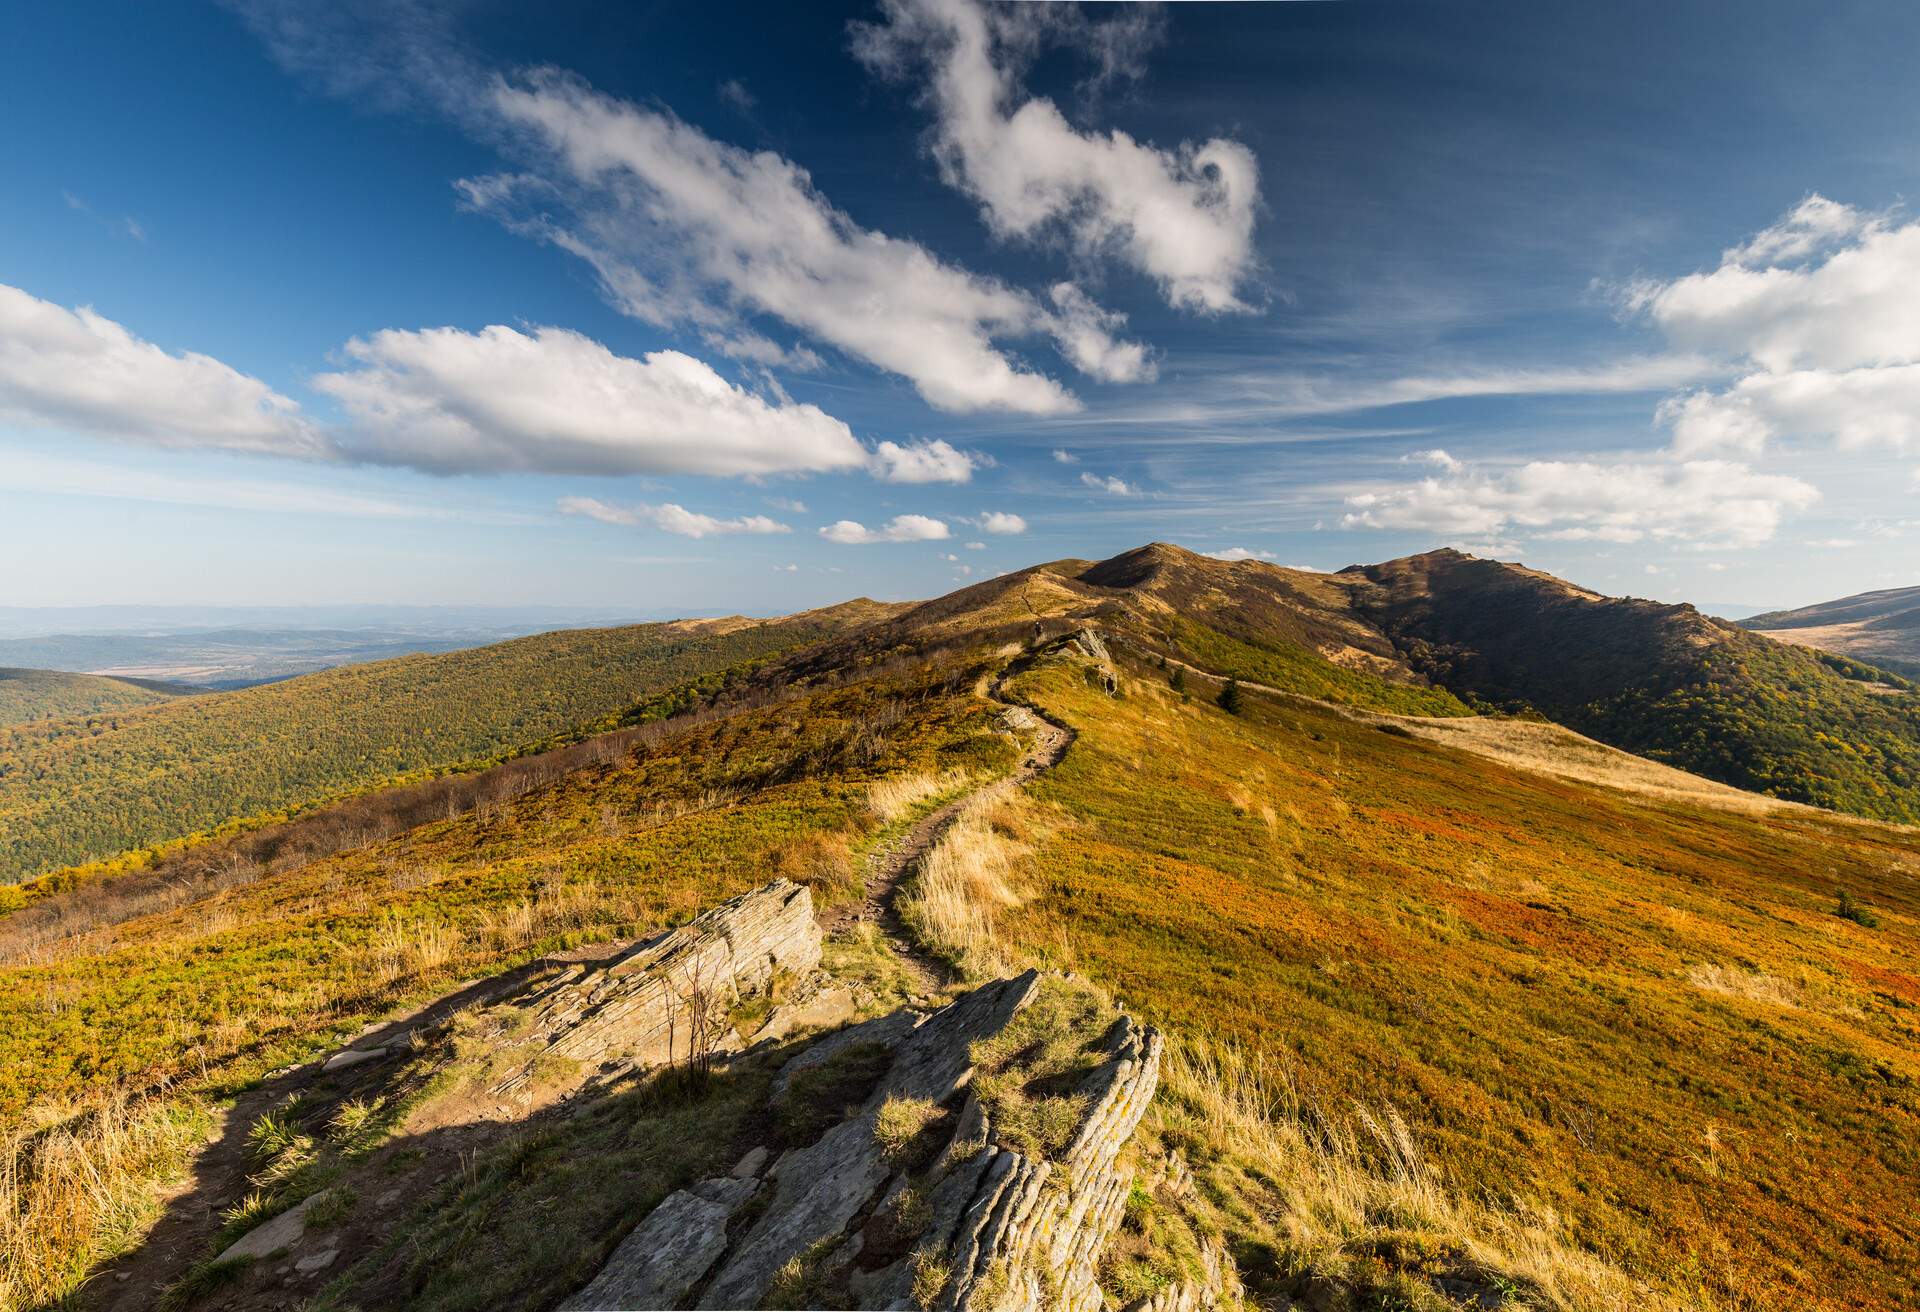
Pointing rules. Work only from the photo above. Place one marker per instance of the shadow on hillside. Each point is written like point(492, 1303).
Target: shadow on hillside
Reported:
point(495, 1200)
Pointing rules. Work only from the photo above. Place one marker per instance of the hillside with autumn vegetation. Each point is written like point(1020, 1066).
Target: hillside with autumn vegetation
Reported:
point(95, 785)
point(1462, 1010)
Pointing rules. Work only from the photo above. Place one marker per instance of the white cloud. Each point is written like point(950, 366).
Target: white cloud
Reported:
point(921, 462)
point(450, 401)
point(901, 528)
point(1436, 456)
point(1855, 408)
point(786, 569)
point(78, 370)
point(1820, 313)
point(1000, 521)
point(683, 228)
point(1183, 217)
point(1242, 553)
point(976, 546)
point(788, 504)
point(1065, 457)
point(1085, 335)
point(1111, 486)
point(669, 518)
point(1692, 502)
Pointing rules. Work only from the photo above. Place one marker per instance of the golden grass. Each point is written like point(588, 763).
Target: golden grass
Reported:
point(1504, 956)
point(81, 1182)
point(896, 797)
point(1335, 1192)
point(967, 881)
point(1753, 985)
point(1549, 749)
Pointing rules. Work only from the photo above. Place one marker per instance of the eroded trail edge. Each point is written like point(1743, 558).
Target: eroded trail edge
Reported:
point(894, 866)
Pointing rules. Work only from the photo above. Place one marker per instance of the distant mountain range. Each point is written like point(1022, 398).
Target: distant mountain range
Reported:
point(1881, 628)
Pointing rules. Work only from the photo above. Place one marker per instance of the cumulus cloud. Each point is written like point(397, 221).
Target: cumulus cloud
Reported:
point(1691, 502)
point(901, 528)
point(683, 228)
point(921, 462)
point(1116, 487)
point(1819, 314)
point(1183, 217)
point(451, 401)
point(1000, 521)
point(669, 518)
point(77, 369)
point(1065, 457)
point(1242, 553)
point(976, 546)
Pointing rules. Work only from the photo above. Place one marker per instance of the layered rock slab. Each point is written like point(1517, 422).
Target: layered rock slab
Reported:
point(991, 1228)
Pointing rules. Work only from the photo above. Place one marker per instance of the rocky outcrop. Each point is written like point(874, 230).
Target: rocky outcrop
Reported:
point(669, 998)
point(940, 1214)
point(1218, 1285)
point(1037, 1245)
point(657, 1264)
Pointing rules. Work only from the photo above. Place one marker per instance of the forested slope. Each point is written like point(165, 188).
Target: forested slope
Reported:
point(1661, 680)
point(93, 786)
point(53, 694)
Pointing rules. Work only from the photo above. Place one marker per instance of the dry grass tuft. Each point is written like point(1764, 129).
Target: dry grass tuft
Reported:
point(967, 881)
point(895, 798)
point(1753, 985)
point(79, 1184)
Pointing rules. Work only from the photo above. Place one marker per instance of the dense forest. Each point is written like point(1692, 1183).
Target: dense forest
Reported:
point(91, 786)
point(54, 694)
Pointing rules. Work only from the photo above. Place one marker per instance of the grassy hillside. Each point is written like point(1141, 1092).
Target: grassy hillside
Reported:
point(1881, 628)
point(55, 694)
point(1664, 681)
point(1608, 1038)
point(84, 788)
point(1646, 1018)
point(195, 1002)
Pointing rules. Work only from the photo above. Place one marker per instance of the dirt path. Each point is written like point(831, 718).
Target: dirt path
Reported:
point(890, 868)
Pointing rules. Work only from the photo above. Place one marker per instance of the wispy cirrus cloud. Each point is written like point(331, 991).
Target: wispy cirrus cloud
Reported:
point(686, 230)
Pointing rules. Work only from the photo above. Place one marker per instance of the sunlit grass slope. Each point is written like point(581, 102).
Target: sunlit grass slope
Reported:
point(53, 694)
point(83, 788)
point(1645, 1016)
point(259, 969)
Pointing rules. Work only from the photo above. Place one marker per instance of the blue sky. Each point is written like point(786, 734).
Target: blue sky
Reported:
point(709, 308)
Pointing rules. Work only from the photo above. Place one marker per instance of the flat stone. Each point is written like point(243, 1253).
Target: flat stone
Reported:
point(318, 1262)
point(269, 1237)
point(340, 1061)
point(667, 1254)
point(750, 1165)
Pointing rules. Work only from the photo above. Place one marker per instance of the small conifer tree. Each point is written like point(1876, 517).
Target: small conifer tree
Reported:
point(1230, 697)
